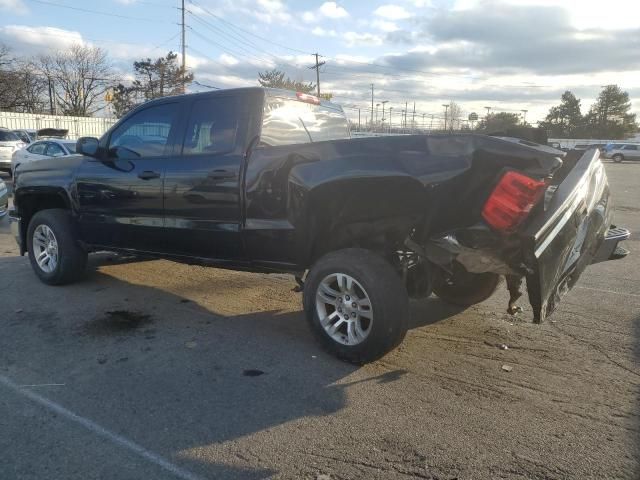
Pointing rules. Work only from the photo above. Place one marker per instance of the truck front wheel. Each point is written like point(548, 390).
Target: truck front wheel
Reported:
point(356, 305)
point(55, 256)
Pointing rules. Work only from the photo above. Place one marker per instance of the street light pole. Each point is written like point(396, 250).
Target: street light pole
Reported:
point(383, 104)
point(524, 116)
point(446, 110)
point(390, 117)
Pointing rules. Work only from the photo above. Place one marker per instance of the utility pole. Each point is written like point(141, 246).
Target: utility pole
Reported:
point(50, 96)
point(406, 109)
point(383, 104)
point(358, 119)
point(446, 110)
point(372, 105)
point(431, 124)
point(524, 116)
point(423, 125)
point(413, 118)
point(390, 117)
point(377, 105)
point(317, 69)
point(184, 50)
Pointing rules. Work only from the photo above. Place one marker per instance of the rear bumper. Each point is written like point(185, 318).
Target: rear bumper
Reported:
point(573, 232)
point(609, 250)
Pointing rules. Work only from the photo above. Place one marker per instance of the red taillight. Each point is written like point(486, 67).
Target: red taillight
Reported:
point(305, 97)
point(511, 201)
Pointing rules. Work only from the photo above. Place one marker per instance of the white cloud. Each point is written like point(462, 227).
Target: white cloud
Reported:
point(227, 59)
point(384, 25)
point(354, 39)
point(327, 10)
point(22, 37)
point(612, 15)
point(321, 32)
point(15, 6)
point(392, 12)
point(272, 11)
point(333, 10)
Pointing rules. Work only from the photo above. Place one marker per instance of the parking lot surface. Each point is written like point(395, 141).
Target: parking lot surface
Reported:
point(156, 370)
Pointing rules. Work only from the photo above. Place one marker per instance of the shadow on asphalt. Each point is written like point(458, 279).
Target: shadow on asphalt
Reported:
point(176, 377)
point(636, 351)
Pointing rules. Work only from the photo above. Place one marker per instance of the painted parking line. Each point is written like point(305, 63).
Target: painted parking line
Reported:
point(602, 290)
point(100, 431)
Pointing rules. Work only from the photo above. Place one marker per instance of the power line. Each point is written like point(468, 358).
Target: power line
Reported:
point(97, 12)
point(264, 39)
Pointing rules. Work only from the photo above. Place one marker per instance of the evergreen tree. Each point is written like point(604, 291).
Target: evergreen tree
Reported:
point(276, 79)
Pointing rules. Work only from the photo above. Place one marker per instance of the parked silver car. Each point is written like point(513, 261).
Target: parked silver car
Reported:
point(622, 151)
point(9, 144)
point(42, 149)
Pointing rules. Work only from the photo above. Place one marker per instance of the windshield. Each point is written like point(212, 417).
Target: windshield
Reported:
point(8, 137)
point(287, 121)
point(23, 136)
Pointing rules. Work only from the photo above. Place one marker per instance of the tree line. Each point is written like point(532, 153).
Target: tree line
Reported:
point(609, 117)
point(81, 81)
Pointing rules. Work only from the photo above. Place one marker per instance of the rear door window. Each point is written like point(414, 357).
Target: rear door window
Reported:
point(287, 121)
point(630, 147)
point(212, 127)
point(54, 150)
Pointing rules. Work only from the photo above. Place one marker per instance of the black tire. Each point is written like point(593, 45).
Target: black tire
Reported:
point(386, 292)
point(72, 259)
point(617, 158)
point(465, 289)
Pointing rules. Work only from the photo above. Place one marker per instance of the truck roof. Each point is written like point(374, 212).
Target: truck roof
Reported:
point(273, 92)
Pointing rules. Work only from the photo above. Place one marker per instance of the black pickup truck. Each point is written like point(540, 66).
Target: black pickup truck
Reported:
point(270, 181)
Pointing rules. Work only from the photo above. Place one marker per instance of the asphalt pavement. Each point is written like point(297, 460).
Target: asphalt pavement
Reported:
point(156, 370)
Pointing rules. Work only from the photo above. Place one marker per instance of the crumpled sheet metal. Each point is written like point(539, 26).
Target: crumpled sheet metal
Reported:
point(445, 250)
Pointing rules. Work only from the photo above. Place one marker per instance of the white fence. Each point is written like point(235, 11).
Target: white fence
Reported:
point(77, 126)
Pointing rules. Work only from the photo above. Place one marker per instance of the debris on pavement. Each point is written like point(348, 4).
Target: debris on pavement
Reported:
point(507, 368)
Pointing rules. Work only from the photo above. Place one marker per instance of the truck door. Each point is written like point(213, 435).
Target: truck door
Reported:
point(202, 188)
point(120, 195)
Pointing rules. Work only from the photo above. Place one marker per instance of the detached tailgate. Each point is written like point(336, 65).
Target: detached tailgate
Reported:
point(563, 240)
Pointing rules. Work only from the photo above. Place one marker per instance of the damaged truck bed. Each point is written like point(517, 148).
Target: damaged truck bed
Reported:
point(270, 181)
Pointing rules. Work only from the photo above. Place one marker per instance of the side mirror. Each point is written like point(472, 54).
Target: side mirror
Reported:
point(87, 146)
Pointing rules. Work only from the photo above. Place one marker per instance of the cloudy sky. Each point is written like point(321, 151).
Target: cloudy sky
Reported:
point(510, 55)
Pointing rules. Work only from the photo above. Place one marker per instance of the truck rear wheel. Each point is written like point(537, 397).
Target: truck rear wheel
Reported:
point(465, 289)
point(356, 305)
point(54, 253)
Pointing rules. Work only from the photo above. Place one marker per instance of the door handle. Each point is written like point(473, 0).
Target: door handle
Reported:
point(148, 175)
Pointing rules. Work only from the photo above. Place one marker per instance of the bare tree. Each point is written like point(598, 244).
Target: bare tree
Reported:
point(21, 88)
point(80, 76)
point(454, 114)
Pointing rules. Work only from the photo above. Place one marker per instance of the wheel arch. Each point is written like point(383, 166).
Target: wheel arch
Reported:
point(372, 213)
point(33, 200)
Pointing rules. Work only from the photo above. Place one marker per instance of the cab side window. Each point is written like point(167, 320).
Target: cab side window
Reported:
point(54, 150)
point(146, 133)
point(212, 127)
point(630, 147)
point(37, 148)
